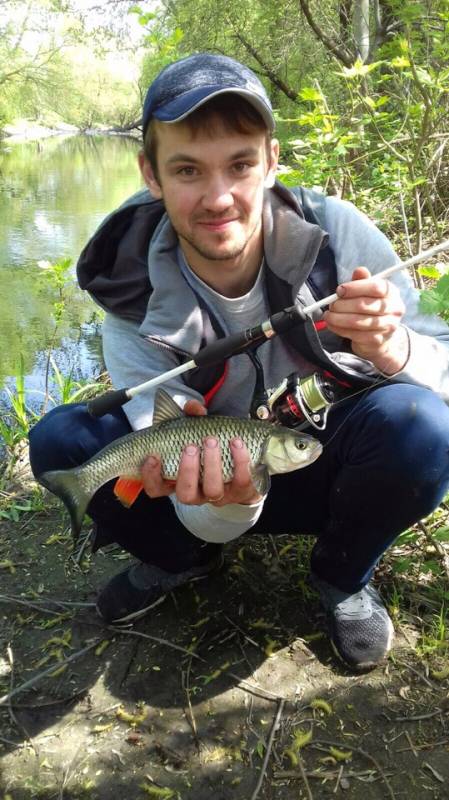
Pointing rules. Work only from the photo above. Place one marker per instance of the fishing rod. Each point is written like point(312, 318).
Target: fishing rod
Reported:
point(237, 343)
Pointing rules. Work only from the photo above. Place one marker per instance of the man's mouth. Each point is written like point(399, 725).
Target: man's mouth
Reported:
point(219, 224)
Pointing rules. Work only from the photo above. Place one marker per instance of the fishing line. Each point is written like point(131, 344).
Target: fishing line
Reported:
point(360, 392)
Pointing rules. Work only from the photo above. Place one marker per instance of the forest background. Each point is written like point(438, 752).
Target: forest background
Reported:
point(360, 87)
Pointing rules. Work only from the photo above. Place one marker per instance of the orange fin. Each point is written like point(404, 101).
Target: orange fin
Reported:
point(127, 490)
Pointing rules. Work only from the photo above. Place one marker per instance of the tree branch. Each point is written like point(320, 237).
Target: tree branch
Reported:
point(331, 44)
point(269, 73)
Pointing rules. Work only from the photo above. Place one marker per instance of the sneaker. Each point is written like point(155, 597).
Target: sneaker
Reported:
point(140, 587)
point(360, 629)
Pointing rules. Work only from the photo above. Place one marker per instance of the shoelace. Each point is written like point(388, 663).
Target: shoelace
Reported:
point(353, 606)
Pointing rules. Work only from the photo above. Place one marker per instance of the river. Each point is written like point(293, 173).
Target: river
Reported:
point(53, 194)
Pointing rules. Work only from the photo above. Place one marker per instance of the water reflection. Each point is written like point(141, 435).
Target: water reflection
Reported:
point(53, 194)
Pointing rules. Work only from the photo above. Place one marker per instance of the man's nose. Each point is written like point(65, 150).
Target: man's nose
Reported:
point(218, 195)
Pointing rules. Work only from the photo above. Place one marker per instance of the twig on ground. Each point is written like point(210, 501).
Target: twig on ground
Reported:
point(304, 776)
point(245, 686)
point(263, 770)
point(37, 678)
point(14, 744)
point(337, 784)
point(77, 555)
point(416, 672)
point(190, 716)
point(425, 746)
point(157, 639)
point(248, 638)
point(57, 701)
point(5, 599)
point(328, 775)
point(365, 755)
point(14, 719)
point(412, 746)
point(104, 711)
point(419, 716)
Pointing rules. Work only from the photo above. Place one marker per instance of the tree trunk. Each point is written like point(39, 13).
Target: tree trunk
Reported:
point(361, 28)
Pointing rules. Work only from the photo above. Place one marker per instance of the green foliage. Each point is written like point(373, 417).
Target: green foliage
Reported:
point(54, 67)
point(436, 299)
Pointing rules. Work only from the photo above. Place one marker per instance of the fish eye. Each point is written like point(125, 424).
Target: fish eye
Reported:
point(301, 444)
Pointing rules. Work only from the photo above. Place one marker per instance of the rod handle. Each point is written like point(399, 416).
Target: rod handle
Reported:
point(108, 402)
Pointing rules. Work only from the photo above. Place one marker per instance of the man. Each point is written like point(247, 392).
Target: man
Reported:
point(225, 246)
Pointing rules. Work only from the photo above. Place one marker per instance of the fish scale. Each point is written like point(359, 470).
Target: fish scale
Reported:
point(125, 456)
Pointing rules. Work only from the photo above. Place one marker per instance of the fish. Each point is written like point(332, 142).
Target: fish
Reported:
point(273, 449)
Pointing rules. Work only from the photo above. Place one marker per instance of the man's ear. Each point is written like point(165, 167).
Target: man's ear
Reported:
point(273, 164)
point(149, 177)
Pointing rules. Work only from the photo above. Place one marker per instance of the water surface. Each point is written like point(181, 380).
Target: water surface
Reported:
point(53, 194)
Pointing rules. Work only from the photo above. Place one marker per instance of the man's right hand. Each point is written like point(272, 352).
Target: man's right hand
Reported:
point(188, 487)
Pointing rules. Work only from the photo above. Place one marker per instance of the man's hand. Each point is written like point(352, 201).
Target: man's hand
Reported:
point(369, 312)
point(188, 488)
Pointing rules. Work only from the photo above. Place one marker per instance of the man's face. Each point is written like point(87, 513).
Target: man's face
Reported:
point(212, 187)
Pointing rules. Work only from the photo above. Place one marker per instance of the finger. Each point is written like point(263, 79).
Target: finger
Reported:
point(212, 484)
point(187, 483)
point(193, 408)
point(368, 339)
point(392, 304)
point(361, 322)
point(153, 482)
point(364, 287)
point(242, 488)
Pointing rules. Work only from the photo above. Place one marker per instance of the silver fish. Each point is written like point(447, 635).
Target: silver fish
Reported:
point(272, 449)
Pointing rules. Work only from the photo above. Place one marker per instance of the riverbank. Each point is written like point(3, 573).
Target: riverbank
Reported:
point(26, 131)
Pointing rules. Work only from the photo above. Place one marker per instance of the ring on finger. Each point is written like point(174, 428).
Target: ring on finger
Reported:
point(215, 499)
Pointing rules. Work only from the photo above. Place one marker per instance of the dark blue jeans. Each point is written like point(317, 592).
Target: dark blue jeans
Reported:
point(384, 466)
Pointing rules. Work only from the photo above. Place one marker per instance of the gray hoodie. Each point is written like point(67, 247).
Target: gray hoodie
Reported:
point(173, 325)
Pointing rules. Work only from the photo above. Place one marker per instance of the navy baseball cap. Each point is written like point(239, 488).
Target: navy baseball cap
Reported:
point(185, 85)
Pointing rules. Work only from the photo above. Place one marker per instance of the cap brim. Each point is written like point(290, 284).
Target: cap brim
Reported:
point(183, 106)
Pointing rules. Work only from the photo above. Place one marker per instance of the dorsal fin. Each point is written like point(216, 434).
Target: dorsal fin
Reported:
point(165, 408)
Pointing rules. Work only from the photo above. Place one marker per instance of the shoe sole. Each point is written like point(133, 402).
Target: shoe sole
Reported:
point(135, 615)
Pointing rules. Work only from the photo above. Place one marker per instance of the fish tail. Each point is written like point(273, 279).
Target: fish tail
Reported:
point(65, 485)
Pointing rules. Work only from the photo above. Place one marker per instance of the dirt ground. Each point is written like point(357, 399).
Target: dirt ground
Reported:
point(227, 690)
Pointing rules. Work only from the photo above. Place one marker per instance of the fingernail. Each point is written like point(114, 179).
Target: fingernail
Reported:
point(191, 450)
point(237, 443)
point(341, 291)
point(210, 442)
point(152, 461)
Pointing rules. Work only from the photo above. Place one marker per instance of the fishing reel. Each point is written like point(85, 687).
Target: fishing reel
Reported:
point(299, 401)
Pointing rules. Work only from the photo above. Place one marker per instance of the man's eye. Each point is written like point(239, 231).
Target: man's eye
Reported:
point(241, 167)
point(187, 171)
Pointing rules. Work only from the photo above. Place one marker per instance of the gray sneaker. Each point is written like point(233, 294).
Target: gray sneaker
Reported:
point(360, 630)
point(139, 588)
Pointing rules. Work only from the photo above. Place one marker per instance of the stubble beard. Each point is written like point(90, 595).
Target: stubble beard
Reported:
point(212, 253)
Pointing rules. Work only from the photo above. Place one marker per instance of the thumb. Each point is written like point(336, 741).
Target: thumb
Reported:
point(193, 408)
point(360, 273)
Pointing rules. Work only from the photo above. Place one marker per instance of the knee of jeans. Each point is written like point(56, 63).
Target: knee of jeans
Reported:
point(54, 440)
point(416, 426)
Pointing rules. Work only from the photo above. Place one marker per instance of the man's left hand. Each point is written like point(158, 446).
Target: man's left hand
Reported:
point(369, 312)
